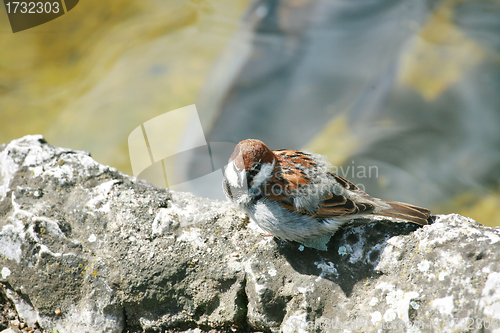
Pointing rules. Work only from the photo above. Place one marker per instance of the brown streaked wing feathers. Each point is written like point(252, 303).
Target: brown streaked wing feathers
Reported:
point(338, 205)
point(344, 182)
point(333, 208)
point(334, 205)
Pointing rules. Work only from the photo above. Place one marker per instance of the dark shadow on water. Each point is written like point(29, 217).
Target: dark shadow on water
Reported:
point(353, 252)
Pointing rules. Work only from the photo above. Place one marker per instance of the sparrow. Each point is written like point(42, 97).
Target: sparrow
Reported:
point(292, 194)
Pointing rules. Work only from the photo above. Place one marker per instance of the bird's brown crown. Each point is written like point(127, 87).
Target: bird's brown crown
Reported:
point(251, 151)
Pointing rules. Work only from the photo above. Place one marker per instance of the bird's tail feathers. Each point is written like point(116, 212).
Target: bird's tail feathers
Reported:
point(407, 212)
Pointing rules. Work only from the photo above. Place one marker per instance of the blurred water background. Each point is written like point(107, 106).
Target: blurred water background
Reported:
point(403, 96)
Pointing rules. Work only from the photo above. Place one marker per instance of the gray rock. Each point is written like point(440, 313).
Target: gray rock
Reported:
point(85, 248)
point(8, 330)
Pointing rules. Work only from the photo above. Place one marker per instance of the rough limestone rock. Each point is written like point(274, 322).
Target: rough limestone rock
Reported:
point(85, 248)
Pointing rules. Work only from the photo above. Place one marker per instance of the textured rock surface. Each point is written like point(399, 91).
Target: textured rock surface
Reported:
point(85, 248)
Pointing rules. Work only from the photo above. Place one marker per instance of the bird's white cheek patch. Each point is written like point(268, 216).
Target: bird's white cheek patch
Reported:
point(235, 178)
point(263, 174)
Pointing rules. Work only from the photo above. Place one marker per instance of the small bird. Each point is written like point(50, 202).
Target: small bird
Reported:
point(293, 195)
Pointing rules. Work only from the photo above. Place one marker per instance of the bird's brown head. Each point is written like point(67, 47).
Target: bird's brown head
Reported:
point(249, 152)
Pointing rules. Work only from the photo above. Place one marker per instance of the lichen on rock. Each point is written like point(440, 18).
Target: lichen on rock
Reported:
point(87, 248)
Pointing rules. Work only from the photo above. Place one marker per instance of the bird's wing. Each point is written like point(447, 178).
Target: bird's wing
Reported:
point(337, 203)
point(292, 177)
point(289, 177)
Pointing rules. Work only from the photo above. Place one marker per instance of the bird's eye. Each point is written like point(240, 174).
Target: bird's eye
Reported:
point(254, 166)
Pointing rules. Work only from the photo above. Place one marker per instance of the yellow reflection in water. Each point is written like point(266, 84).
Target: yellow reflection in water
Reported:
point(335, 141)
point(484, 210)
point(89, 77)
point(440, 55)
